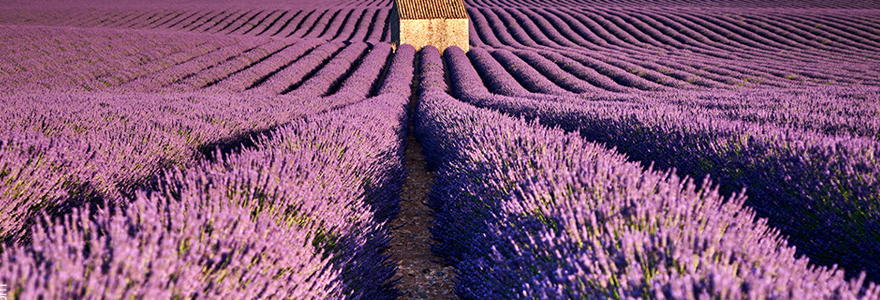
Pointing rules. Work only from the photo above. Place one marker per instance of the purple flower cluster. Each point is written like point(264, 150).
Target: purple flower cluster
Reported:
point(286, 219)
point(59, 150)
point(820, 190)
point(301, 214)
point(527, 212)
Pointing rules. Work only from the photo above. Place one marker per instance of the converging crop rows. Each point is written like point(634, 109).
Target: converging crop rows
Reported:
point(609, 149)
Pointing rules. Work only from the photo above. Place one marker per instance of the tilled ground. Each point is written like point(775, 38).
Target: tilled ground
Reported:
point(422, 276)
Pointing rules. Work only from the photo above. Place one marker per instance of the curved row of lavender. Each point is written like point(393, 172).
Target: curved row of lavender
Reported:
point(729, 90)
point(69, 146)
point(527, 212)
point(636, 48)
point(299, 214)
point(807, 157)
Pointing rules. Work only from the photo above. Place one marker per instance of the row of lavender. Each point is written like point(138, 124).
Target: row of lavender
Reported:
point(828, 109)
point(577, 51)
point(182, 63)
point(762, 4)
point(635, 47)
point(300, 214)
point(528, 212)
point(354, 24)
point(683, 49)
point(812, 172)
point(58, 151)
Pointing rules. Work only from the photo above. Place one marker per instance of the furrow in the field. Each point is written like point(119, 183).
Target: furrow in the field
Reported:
point(756, 35)
point(377, 27)
point(340, 24)
point(103, 19)
point(556, 74)
point(309, 22)
point(484, 32)
point(279, 81)
point(85, 19)
point(142, 16)
point(518, 32)
point(627, 27)
point(786, 30)
point(867, 25)
point(184, 16)
point(851, 51)
point(201, 20)
point(606, 29)
point(224, 69)
point(175, 72)
point(842, 31)
point(386, 31)
point(721, 34)
point(559, 29)
point(359, 32)
point(213, 21)
point(260, 22)
point(585, 73)
point(207, 19)
point(283, 22)
point(613, 70)
point(370, 73)
point(816, 32)
point(495, 77)
point(261, 70)
point(324, 24)
point(126, 16)
point(686, 73)
point(168, 19)
point(331, 73)
point(239, 22)
point(589, 31)
point(251, 21)
point(670, 26)
point(156, 21)
point(347, 27)
point(137, 17)
point(665, 35)
point(691, 79)
point(314, 29)
point(499, 29)
point(265, 26)
point(526, 75)
point(544, 25)
point(194, 18)
point(264, 23)
point(727, 73)
point(649, 32)
point(294, 24)
point(738, 24)
point(226, 22)
point(146, 22)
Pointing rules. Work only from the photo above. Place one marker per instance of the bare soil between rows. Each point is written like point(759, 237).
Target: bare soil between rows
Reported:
point(422, 275)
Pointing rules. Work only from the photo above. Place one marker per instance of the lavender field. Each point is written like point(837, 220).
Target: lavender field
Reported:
point(581, 149)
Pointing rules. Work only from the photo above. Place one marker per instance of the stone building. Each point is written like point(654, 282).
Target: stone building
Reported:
point(441, 23)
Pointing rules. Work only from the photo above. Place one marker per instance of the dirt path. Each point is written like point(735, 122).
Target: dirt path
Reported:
point(422, 276)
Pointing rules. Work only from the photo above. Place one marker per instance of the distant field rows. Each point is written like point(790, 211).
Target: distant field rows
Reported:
point(627, 49)
point(564, 144)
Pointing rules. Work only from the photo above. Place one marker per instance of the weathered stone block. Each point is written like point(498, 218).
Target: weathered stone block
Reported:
point(441, 23)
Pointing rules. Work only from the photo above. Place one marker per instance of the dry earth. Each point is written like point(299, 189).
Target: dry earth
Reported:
point(422, 276)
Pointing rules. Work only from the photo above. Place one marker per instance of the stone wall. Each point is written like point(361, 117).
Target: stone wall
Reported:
point(441, 33)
